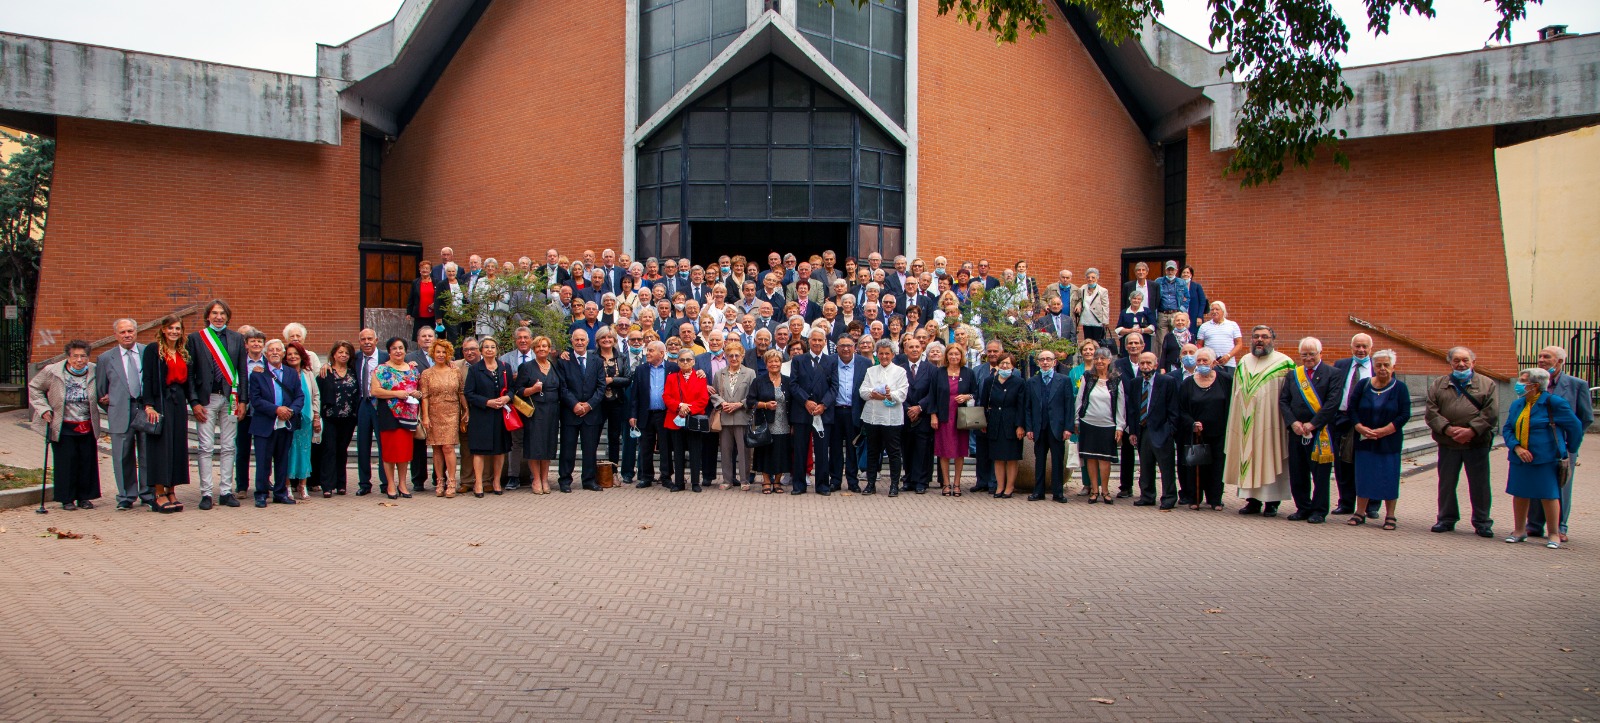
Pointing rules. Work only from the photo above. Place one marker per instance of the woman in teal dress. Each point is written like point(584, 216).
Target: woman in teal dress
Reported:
point(296, 358)
point(1540, 431)
point(1381, 406)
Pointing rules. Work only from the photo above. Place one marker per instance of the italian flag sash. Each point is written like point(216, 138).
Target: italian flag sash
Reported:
point(1323, 454)
point(219, 356)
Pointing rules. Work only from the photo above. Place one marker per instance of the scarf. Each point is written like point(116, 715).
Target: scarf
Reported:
point(1523, 420)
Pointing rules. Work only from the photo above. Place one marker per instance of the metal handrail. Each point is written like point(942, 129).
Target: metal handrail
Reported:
point(1422, 346)
point(112, 339)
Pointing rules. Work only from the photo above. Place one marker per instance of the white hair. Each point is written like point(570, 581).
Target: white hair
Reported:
point(1537, 377)
point(450, 266)
point(292, 327)
point(1385, 353)
point(1312, 343)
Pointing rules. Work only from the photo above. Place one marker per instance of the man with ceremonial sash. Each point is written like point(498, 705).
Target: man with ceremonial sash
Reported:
point(1256, 444)
point(1300, 402)
point(218, 354)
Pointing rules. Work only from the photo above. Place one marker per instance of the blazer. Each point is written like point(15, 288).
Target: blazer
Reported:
point(919, 390)
point(1047, 324)
point(1048, 411)
point(968, 384)
point(1576, 392)
point(814, 291)
point(1292, 406)
point(202, 368)
point(47, 392)
point(1331, 414)
point(776, 298)
point(677, 390)
point(733, 388)
point(581, 383)
point(1128, 288)
point(111, 381)
point(761, 390)
point(1163, 419)
point(481, 385)
point(155, 382)
point(641, 389)
point(860, 364)
point(1199, 305)
point(813, 382)
point(1546, 445)
point(263, 409)
point(1170, 357)
point(1098, 301)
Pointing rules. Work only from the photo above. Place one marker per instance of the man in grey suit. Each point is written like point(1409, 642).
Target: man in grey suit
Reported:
point(516, 472)
point(419, 447)
point(1576, 392)
point(117, 385)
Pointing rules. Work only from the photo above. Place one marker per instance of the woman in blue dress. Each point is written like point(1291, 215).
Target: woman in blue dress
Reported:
point(1380, 405)
point(1540, 431)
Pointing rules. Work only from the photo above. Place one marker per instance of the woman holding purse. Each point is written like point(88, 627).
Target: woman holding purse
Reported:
point(728, 393)
point(394, 386)
point(769, 398)
point(686, 395)
point(950, 394)
point(539, 382)
point(487, 396)
point(167, 397)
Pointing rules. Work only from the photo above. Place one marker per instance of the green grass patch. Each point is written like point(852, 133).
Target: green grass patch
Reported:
point(12, 478)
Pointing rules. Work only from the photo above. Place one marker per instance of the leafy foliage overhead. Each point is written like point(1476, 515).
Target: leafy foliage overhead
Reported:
point(1286, 51)
point(24, 197)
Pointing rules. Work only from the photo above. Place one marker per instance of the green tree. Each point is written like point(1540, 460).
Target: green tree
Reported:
point(1002, 314)
point(1286, 51)
point(506, 302)
point(24, 198)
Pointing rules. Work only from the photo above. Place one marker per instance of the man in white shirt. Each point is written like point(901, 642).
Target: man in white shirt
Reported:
point(118, 382)
point(882, 415)
point(521, 353)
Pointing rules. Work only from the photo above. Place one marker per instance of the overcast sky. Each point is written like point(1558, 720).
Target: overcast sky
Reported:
point(282, 35)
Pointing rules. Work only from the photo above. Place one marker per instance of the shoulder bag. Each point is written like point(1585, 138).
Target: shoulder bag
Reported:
point(971, 418)
point(512, 419)
point(1197, 454)
point(1563, 465)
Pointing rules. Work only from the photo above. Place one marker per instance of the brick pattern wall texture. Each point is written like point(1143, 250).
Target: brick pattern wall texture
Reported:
point(1026, 153)
point(144, 220)
point(1409, 238)
point(518, 148)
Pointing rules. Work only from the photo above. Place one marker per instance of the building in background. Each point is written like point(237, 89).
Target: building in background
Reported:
point(699, 127)
point(1550, 205)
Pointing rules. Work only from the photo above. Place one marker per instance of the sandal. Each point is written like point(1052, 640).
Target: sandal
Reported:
point(744, 487)
point(1389, 523)
point(1194, 507)
point(766, 488)
point(1357, 520)
point(956, 493)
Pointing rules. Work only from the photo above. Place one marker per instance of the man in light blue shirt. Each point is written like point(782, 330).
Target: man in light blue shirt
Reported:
point(649, 410)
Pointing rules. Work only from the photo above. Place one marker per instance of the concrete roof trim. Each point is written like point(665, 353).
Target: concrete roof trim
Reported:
point(1182, 58)
point(375, 49)
point(61, 78)
point(769, 34)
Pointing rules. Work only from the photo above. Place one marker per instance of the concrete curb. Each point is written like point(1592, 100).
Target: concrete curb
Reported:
point(26, 497)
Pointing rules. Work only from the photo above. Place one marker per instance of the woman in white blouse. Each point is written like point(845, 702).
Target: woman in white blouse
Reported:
point(1101, 425)
point(1221, 335)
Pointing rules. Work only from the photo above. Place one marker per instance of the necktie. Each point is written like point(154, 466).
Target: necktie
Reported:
point(913, 369)
point(1047, 377)
point(130, 367)
point(1144, 402)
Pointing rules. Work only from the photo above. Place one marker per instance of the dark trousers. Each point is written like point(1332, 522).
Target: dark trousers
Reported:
point(917, 441)
point(882, 440)
point(272, 464)
point(1476, 462)
point(336, 434)
point(799, 453)
point(1129, 466)
point(841, 450)
point(709, 444)
point(419, 465)
point(651, 431)
point(1308, 481)
point(1344, 475)
point(1152, 458)
point(683, 447)
point(77, 472)
point(616, 421)
point(571, 436)
point(242, 442)
point(366, 439)
point(984, 467)
point(1208, 478)
point(1048, 446)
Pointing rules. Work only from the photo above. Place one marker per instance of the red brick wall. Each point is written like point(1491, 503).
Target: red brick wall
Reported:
point(1025, 152)
point(519, 146)
point(144, 220)
point(1409, 238)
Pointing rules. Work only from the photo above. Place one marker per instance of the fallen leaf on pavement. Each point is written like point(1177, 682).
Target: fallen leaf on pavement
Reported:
point(1213, 611)
point(644, 527)
point(1104, 701)
point(387, 504)
point(1564, 650)
point(474, 544)
point(63, 534)
point(247, 532)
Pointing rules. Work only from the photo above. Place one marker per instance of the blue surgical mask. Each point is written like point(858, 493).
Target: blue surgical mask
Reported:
point(1202, 369)
point(1003, 373)
point(724, 269)
point(1520, 389)
point(1092, 285)
point(1189, 361)
point(1461, 375)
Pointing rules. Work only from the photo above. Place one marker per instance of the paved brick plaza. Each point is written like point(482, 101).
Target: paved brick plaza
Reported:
point(644, 605)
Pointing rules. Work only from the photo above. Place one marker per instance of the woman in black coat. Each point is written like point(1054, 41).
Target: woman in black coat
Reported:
point(1203, 401)
point(539, 381)
point(777, 458)
point(1002, 409)
point(168, 393)
point(488, 385)
point(618, 376)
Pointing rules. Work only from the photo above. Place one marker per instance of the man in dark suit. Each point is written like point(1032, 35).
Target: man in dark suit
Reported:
point(1336, 416)
point(1048, 418)
point(1141, 282)
point(917, 434)
point(917, 298)
point(275, 403)
point(812, 373)
point(990, 283)
point(218, 375)
point(551, 272)
point(1057, 322)
point(447, 255)
point(582, 391)
point(1308, 476)
point(612, 273)
point(984, 372)
point(422, 356)
point(649, 414)
point(1128, 371)
point(771, 293)
point(849, 368)
point(1152, 421)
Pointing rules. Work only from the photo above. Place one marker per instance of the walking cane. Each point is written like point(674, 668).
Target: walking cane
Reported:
point(44, 474)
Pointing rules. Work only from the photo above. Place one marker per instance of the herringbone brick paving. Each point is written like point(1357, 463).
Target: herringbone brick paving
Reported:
point(641, 605)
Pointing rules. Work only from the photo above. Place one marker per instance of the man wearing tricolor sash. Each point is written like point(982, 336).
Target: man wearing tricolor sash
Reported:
point(1301, 403)
point(217, 352)
point(1256, 443)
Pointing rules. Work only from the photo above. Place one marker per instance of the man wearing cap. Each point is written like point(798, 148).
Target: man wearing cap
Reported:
point(1171, 296)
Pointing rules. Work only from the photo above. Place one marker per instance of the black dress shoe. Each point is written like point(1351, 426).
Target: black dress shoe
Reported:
point(1269, 510)
point(824, 491)
point(124, 505)
point(592, 486)
point(854, 489)
point(1484, 532)
point(1059, 498)
point(261, 502)
point(1144, 503)
point(1124, 494)
point(1442, 527)
point(894, 491)
point(1317, 518)
point(205, 502)
point(871, 489)
point(1166, 506)
point(512, 485)
point(85, 505)
point(1035, 497)
point(642, 484)
point(566, 488)
point(695, 487)
point(477, 494)
point(1296, 516)
point(1342, 510)
point(229, 501)
point(922, 490)
point(1250, 508)
point(797, 491)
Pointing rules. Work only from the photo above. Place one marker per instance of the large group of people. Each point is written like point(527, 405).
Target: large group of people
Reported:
point(804, 376)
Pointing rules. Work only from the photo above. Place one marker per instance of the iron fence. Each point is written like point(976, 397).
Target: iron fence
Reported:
point(1581, 339)
point(13, 352)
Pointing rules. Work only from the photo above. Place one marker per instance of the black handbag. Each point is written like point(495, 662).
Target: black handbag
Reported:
point(698, 423)
point(757, 436)
point(140, 422)
point(1197, 454)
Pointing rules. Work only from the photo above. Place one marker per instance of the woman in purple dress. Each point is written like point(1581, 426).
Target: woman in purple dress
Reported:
point(955, 390)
